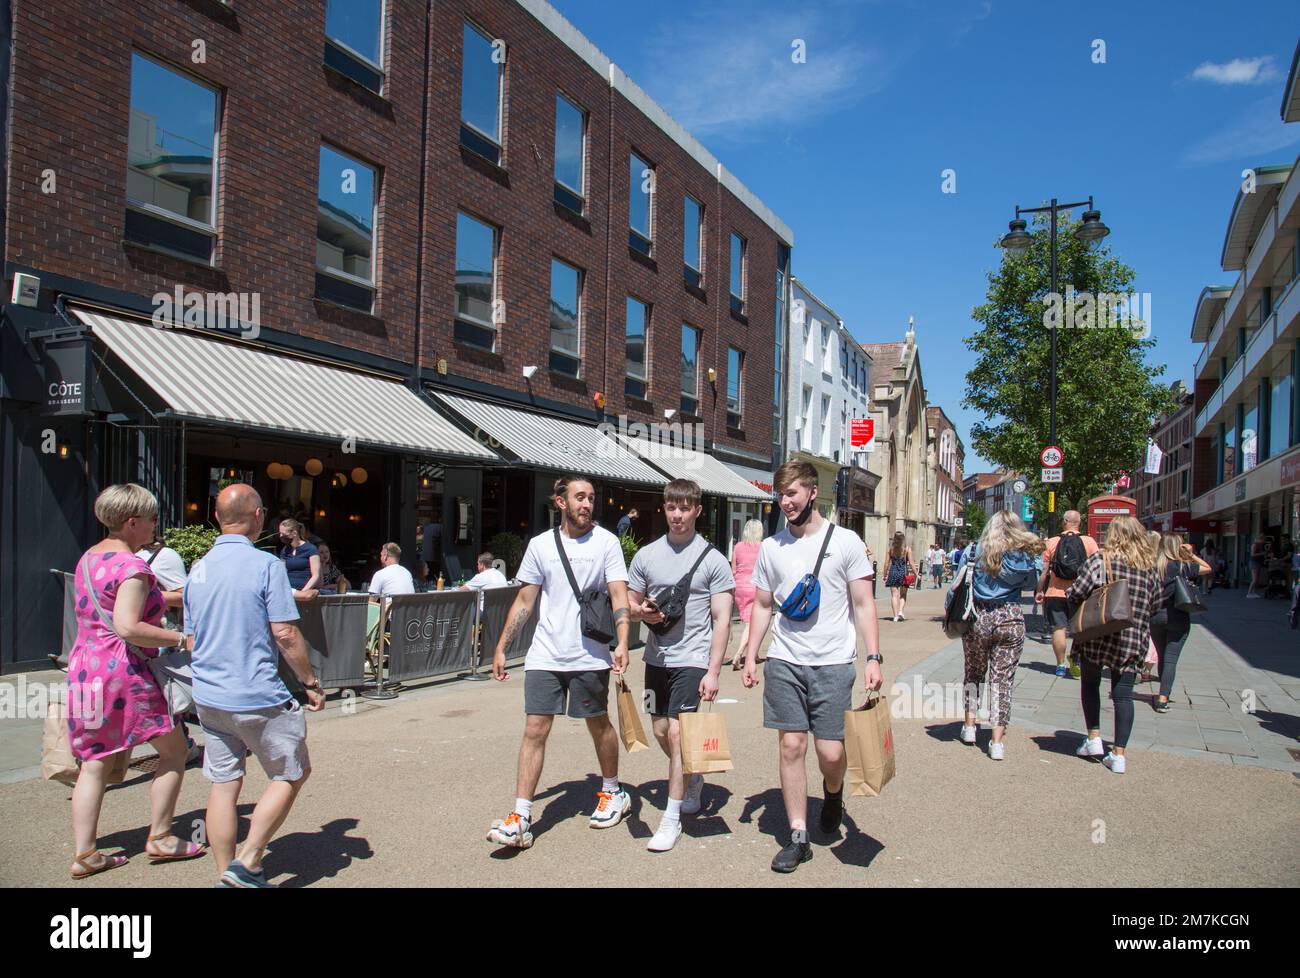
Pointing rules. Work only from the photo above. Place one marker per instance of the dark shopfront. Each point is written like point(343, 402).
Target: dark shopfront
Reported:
point(169, 409)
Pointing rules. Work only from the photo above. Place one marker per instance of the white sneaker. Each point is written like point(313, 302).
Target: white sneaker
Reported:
point(513, 831)
point(666, 836)
point(996, 751)
point(968, 733)
point(694, 789)
point(1091, 747)
point(1114, 762)
point(610, 808)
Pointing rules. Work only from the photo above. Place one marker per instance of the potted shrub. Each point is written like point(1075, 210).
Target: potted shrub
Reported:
point(630, 547)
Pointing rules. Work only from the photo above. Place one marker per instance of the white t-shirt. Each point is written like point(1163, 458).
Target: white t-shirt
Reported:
point(167, 567)
point(936, 556)
point(596, 559)
point(390, 580)
point(828, 636)
point(488, 578)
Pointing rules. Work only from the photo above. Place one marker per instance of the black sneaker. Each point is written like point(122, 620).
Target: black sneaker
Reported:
point(798, 851)
point(832, 810)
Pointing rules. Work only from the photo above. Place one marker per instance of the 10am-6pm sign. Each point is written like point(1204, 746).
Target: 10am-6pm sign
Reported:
point(861, 432)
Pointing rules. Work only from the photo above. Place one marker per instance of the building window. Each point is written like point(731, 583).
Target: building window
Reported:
point(844, 360)
point(739, 247)
point(481, 73)
point(171, 168)
point(1184, 491)
point(1229, 451)
point(828, 353)
point(690, 369)
point(1250, 433)
point(566, 318)
point(637, 380)
point(692, 242)
point(805, 420)
point(735, 385)
point(476, 254)
point(345, 230)
point(826, 426)
point(570, 155)
point(641, 176)
point(1279, 415)
point(354, 40)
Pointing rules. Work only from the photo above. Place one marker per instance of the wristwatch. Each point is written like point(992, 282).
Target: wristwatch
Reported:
point(876, 657)
point(315, 685)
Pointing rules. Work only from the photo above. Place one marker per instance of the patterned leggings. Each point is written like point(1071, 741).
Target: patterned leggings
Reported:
point(993, 644)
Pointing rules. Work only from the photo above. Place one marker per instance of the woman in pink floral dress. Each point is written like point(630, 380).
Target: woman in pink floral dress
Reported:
point(120, 702)
point(743, 558)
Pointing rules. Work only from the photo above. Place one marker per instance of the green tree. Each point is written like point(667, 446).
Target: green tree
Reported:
point(974, 519)
point(1107, 394)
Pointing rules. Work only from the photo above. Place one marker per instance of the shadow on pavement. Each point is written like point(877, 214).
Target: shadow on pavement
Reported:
point(858, 848)
point(1278, 723)
point(132, 841)
point(312, 856)
point(1045, 667)
point(945, 731)
point(1063, 742)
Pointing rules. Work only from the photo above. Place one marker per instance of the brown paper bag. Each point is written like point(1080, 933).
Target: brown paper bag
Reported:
point(57, 760)
point(116, 766)
point(705, 748)
point(629, 720)
point(869, 743)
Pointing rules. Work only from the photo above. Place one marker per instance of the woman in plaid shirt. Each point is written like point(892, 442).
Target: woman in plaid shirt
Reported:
point(1127, 555)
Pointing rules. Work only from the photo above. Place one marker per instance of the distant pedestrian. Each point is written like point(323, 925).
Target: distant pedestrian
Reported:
point(1125, 555)
point(114, 702)
point(1259, 556)
point(624, 525)
point(934, 557)
point(1063, 561)
point(301, 558)
point(743, 557)
point(1170, 626)
point(241, 613)
point(1003, 562)
point(901, 574)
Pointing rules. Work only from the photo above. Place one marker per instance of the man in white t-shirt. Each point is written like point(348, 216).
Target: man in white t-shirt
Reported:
point(810, 663)
point(565, 670)
point(392, 578)
point(487, 576)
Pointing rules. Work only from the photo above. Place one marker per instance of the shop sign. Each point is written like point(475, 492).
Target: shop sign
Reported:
point(1239, 491)
point(1290, 469)
point(67, 378)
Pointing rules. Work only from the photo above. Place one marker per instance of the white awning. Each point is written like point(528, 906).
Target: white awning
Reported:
point(211, 379)
point(713, 476)
point(553, 443)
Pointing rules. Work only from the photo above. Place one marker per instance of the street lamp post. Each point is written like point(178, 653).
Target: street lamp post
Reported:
point(1017, 239)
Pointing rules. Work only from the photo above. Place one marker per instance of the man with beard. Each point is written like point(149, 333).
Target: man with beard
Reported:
point(565, 668)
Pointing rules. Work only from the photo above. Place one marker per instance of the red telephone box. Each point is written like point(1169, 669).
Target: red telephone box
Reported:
point(1103, 509)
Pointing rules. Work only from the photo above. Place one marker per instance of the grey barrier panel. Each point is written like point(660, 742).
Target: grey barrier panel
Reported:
point(431, 634)
point(496, 606)
point(69, 611)
point(334, 626)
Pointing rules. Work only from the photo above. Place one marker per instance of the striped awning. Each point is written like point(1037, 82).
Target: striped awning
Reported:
point(553, 443)
point(206, 378)
point(713, 477)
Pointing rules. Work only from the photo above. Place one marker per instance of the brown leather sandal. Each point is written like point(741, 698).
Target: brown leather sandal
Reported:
point(190, 851)
point(110, 862)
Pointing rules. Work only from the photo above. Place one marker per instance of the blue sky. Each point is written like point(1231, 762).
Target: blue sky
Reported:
point(848, 147)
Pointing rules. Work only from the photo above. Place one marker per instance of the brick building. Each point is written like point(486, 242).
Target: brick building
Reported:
point(1164, 497)
point(946, 455)
point(416, 262)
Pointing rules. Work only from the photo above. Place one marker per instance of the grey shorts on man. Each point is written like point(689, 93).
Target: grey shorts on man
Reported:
point(808, 697)
point(277, 736)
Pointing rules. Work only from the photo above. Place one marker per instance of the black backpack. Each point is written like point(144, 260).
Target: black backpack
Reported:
point(1070, 557)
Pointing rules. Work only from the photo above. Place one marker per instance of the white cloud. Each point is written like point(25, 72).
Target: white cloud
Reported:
point(1258, 131)
point(1239, 71)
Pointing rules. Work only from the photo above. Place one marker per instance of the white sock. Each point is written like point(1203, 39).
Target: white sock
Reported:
point(674, 811)
point(609, 785)
point(524, 807)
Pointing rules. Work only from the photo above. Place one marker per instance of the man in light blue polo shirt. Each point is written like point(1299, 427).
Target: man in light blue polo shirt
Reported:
point(238, 608)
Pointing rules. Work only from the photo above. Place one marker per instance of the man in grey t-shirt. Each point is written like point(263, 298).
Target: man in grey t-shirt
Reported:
point(682, 658)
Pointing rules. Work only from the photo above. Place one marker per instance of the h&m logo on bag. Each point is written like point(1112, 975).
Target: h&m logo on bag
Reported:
point(74, 932)
point(889, 742)
point(711, 744)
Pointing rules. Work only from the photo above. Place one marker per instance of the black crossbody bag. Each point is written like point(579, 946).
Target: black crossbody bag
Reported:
point(672, 599)
point(597, 614)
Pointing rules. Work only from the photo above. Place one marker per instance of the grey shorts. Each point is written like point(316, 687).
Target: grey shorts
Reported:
point(670, 690)
point(808, 697)
point(1056, 611)
point(277, 736)
point(587, 693)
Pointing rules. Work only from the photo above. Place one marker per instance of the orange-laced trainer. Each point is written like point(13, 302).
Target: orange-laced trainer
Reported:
point(611, 808)
point(511, 832)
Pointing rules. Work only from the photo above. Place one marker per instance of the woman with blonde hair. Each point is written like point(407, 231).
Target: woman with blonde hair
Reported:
point(1171, 625)
point(300, 556)
point(901, 567)
point(742, 568)
point(1125, 555)
point(1003, 567)
point(119, 616)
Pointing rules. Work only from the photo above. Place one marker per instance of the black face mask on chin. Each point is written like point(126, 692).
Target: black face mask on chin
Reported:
point(802, 518)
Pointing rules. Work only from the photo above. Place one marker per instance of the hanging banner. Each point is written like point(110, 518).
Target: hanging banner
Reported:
point(1154, 457)
point(68, 377)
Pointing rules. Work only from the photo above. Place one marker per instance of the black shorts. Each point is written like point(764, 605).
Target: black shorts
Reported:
point(672, 690)
point(1057, 613)
point(586, 693)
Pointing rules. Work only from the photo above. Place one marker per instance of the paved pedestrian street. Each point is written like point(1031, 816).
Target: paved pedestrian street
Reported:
point(402, 793)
